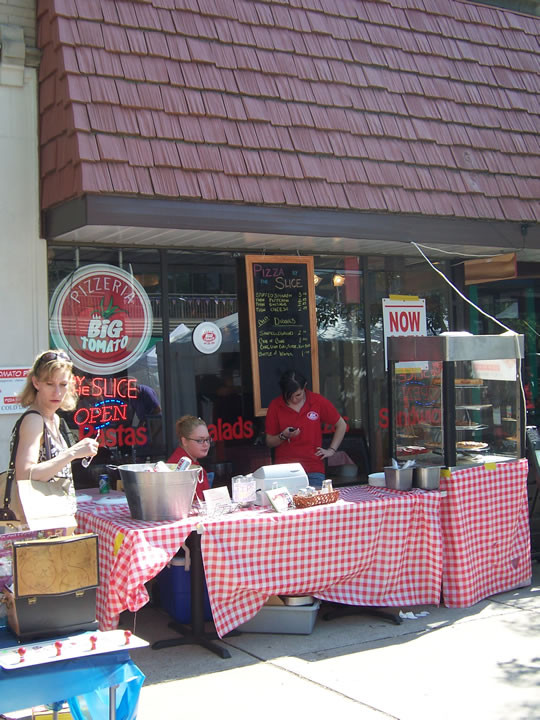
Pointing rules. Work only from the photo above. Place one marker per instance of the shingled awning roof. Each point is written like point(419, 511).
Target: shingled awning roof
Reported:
point(374, 120)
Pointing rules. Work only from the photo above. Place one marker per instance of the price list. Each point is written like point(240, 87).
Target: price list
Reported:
point(282, 321)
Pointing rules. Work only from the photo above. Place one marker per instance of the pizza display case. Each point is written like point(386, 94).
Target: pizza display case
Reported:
point(456, 399)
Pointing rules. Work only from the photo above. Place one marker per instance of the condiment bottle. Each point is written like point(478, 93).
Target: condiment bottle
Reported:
point(327, 486)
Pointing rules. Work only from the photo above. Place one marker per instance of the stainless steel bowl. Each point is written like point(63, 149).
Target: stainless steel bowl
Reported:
point(298, 600)
point(398, 478)
point(377, 479)
point(158, 495)
point(427, 478)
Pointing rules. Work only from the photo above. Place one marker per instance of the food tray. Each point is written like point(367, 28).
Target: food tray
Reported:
point(318, 499)
point(412, 450)
point(466, 446)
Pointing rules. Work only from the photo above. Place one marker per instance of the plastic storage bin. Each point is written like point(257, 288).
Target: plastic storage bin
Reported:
point(283, 619)
point(174, 587)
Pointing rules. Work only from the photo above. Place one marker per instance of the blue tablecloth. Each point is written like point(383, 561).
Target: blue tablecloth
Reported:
point(81, 681)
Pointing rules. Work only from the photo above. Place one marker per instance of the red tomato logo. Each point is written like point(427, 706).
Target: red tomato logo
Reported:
point(102, 316)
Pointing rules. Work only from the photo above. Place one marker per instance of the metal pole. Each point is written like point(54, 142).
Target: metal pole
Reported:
point(112, 702)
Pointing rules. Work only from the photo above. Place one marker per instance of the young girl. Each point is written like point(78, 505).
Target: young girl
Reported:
point(194, 442)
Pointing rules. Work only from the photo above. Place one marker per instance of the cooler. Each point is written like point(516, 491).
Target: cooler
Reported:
point(289, 475)
point(174, 587)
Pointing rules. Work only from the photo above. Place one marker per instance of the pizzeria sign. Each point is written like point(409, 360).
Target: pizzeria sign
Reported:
point(102, 316)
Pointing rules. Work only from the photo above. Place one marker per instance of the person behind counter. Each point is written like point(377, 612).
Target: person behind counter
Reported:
point(44, 452)
point(194, 442)
point(294, 426)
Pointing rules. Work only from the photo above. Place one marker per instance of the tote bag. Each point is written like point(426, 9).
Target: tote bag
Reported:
point(39, 505)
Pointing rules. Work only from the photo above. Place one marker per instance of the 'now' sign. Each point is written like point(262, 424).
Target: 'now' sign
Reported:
point(404, 317)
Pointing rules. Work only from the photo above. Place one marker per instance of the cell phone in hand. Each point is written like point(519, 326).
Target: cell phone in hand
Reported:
point(292, 429)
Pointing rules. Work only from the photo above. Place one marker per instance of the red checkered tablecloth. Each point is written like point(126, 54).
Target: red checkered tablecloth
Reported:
point(485, 526)
point(131, 552)
point(372, 547)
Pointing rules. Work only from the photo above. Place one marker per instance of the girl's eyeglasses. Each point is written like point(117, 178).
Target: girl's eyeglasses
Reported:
point(201, 441)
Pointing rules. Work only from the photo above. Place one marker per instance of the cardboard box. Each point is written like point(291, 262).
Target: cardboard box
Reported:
point(283, 619)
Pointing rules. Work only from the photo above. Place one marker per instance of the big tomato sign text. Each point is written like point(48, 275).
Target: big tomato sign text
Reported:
point(102, 316)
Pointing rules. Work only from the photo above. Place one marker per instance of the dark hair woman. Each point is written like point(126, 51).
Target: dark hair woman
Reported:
point(294, 424)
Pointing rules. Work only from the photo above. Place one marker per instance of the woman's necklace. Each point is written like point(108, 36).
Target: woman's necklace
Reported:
point(55, 433)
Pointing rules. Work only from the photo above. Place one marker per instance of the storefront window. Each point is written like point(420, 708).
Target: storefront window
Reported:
point(342, 346)
point(410, 278)
point(515, 304)
point(135, 406)
point(94, 314)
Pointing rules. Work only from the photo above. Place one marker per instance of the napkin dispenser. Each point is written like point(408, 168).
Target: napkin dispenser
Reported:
point(289, 475)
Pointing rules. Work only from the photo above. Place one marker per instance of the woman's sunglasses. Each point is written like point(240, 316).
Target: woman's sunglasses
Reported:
point(51, 356)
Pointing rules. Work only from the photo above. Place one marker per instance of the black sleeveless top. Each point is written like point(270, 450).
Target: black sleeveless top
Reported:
point(49, 447)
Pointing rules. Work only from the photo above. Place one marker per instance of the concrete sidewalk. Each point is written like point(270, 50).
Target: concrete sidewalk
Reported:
point(480, 663)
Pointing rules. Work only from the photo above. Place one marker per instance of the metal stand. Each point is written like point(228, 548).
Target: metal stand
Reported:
point(57, 706)
point(194, 635)
point(112, 702)
point(344, 610)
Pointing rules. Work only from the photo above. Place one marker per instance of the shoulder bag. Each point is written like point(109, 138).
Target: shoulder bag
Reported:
point(40, 505)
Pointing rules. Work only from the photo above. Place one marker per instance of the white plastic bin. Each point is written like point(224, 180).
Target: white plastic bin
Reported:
point(283, 619)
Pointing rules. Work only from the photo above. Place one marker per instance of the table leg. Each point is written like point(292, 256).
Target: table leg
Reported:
point(195, 635)
point(112, 702)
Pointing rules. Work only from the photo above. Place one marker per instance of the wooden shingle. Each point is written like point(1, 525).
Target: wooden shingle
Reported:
point(409, 107)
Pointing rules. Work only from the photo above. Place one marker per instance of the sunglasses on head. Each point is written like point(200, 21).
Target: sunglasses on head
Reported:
point(51, 356)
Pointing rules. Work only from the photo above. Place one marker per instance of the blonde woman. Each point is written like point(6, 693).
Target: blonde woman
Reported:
point(43, 451)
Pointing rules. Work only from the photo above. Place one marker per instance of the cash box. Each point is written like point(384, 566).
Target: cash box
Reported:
point(289, 475)
point(54, 586)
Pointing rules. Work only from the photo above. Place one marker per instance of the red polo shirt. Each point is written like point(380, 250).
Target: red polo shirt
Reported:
point(315, 412)
point(204, 485)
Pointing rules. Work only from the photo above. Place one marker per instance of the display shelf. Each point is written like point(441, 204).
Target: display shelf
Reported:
point(446, 391)
point(470, 427)
point(486, 406)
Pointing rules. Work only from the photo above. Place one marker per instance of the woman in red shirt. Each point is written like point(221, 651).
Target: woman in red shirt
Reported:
point(294, 426)
point(194, 442)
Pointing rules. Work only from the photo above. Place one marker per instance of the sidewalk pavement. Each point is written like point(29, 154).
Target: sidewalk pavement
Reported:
point(477, 663)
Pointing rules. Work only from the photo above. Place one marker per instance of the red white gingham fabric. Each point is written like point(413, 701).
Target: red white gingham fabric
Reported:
point(373, 547)
point(485, 527)
point(131, 552)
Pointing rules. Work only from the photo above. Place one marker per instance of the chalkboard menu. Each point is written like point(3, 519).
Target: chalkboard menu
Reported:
point(282, 323)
